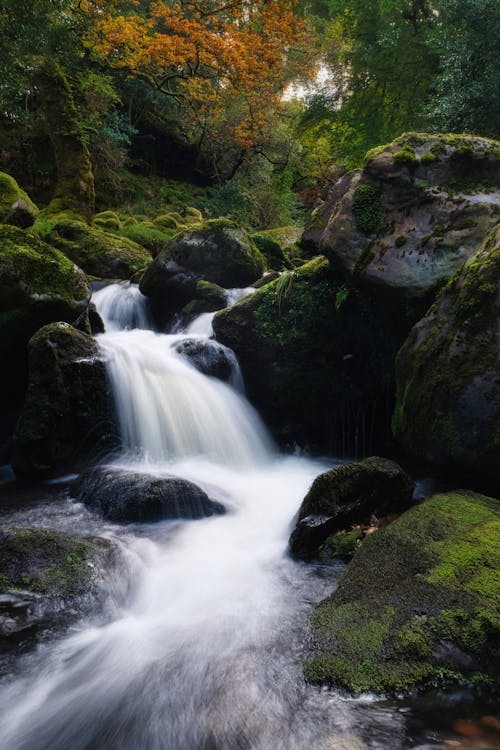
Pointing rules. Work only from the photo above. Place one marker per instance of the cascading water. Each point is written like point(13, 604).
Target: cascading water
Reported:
point(206, 654)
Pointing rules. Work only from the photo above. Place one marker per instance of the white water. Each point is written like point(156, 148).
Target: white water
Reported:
point(206, 655)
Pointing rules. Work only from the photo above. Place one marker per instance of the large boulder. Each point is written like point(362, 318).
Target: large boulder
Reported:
point(38, 285)
point(47, 576)
point(419, 603)
point(218, 251)
point(317, 358)
point(417, 210)
point(16, 207)
point(99, 253)
point(448, 372)
point(209, 357)
point(348, 495)
point(67, 418)
point(125, 496)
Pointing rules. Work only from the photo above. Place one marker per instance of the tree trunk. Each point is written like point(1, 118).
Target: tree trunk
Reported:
point(75, 181)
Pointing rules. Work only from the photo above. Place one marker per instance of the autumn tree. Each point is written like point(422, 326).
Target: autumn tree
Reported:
point(224, 64)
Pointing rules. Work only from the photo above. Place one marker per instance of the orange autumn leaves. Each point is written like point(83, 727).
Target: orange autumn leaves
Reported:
point(227, 63)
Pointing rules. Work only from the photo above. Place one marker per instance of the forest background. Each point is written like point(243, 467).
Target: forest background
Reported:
point(241, 109)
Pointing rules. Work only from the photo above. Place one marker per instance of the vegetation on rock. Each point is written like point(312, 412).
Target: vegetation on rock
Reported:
point(418, 604)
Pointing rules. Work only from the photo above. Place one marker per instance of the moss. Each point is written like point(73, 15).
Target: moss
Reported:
point(429, 157)
point(168, 221)
point(344, 543)
point(363, 260)
point(211, 293)
point(400, 241)
point(99, 253)
point(151, 236)
point(45, 562)
point(107, 220)
point(276, 258)
point(407, 157)
point(424, 581)
point(367, 207)
point(16, 207)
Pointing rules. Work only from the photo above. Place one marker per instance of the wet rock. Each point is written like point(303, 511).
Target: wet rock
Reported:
point(348, 495)
point(124, 496)
point(209, 357)
point(217, 251)
point(418, 603)
point(448, 385)
point(317, 359)
point(47, 575)
point(67, 418)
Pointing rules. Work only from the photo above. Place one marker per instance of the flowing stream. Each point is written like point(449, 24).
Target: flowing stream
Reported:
point(205, 651)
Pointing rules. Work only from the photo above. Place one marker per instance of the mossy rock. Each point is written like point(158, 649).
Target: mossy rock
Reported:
point(99, 253)
point(45, 561)
point(47, 578)
point(38, 285)
point(448, 384)
point(348, 495)
point(107, 220)
point(419, 603)
point(67, 418)
point(191, 215)
point(168, 221)
point(377, 225)
point(317, 358)
point(276, 258)
point(218, 251)
point(153, 237)
point(16, 207)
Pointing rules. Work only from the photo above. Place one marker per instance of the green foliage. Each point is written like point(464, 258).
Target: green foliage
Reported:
point(367, 207)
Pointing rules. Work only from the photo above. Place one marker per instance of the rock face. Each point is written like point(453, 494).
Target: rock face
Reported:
point(124, 496)
point(67, 417)
point(349, 495)
point(448, 372)
point(418, 604)
point(96, 251)
point(38, 285)
point(16, 207)
point(413, 215)
point(217, 251)
point(209, 357)
point(48, 574)
point(317, 358)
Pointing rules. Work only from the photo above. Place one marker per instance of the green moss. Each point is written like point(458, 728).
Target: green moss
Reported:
point(169, 221)
point(424, 581)
point(344, 544)
point(16, 207)
point(430, 156)
point(363, 260)
point(400, 241)
point(107, 220)
point(153, 237)
point(407, 157)
point(275, 257)
point(367, 207)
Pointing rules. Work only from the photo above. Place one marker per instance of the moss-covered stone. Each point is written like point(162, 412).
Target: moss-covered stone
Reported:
point(217, 251)
point(320, 371)
point(448, 382)
point(276, 257)
point(107, 220)
point(97, 252)
point(47, 578)
point(406, 189)
point(168, 221)
point(418, 604)
point(16, 207)
point(67, 418)
point(153, 237)
point(38, 285)
point(348, 495)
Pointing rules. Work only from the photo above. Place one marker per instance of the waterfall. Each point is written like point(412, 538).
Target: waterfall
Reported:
point(206, 652)
point(167, 410)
